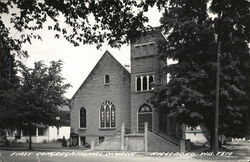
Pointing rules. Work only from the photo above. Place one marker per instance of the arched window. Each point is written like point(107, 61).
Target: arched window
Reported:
point(145, 109)
point(138, 84)
point(102, 116)
point(144, 83)
point(112, 116)
point(107, 115)
point(106, 79)
point(151, 80)
point(83, 118)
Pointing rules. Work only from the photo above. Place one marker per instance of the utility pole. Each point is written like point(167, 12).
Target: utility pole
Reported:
point(217, 100)
point(217, 104)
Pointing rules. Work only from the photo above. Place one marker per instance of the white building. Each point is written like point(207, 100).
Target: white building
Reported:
point(40, 134)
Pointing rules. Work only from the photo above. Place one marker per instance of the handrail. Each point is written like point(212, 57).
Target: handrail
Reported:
point(167, 137)
point(159, 132)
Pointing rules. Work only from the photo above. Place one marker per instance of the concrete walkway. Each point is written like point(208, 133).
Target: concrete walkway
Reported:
point(39, 147)
point(241, 152)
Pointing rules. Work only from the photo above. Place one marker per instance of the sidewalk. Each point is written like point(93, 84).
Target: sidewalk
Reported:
point(241, 151)
point(52, 146)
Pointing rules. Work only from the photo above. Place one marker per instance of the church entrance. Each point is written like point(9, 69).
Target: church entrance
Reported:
point(145, 114)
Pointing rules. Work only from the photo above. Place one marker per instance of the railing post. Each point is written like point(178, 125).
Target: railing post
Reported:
point(146, 136)
point(122, 136)
point(92, 143)
point(182, 145)
point(79, 141)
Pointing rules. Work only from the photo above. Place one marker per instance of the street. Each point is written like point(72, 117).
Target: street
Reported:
point(236, 151)
point(94, 156)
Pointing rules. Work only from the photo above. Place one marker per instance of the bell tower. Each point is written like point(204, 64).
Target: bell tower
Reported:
point(146, 70)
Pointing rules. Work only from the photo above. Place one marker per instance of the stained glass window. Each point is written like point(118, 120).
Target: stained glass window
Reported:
point(107, 115)
point(112, 116)
point(102, 118)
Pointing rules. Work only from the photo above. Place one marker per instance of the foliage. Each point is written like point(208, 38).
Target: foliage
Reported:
point(82, 21)
point(37, 99)
point(8, 78)
point(192, 40)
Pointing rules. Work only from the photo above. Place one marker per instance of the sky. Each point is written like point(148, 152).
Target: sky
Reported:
point(78, 61)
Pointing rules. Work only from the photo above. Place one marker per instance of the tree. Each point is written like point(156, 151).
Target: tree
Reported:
point(114, 21)
point(8, 77)
point(37, 99)
point(82, 21)
point(192, 41)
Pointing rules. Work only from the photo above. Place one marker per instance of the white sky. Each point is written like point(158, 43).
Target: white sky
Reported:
point(78, 61)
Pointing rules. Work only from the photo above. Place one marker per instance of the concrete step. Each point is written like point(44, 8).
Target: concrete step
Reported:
point(135, 142)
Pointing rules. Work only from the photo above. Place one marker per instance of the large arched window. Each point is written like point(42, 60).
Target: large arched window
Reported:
point(107, 115)
point(83, 118)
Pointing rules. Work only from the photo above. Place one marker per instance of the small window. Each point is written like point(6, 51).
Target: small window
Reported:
point(151, 80)
point(144, 83)
point(101, 139)
point(138, 84)
point(106, 79)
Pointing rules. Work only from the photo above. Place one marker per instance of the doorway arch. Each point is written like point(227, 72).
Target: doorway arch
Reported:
point(145, 114)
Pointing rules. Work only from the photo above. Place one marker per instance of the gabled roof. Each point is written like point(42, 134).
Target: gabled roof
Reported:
point(106, 53)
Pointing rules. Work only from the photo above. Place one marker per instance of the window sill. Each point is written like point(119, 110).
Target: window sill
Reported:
point(82, 128)
point(112, 128)
point(106, 84)
point(144, 91)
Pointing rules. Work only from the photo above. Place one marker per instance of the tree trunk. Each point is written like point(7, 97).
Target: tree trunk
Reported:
point(30, 137)
point(211, 141)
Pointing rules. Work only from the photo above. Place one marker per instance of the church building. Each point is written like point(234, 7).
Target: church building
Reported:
point(111, 95)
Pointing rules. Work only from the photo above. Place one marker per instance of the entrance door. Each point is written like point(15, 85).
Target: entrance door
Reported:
point(144, 115)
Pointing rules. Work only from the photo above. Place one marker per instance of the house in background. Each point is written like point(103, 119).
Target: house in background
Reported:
point(41, 133)
point(196, 135)
point(111, 95)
